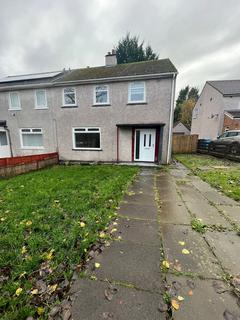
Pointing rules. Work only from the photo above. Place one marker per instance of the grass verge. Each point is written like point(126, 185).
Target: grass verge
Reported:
point(221, 174)
point(48, 221)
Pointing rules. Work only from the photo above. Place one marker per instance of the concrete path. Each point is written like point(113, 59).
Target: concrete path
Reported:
point(145, 275)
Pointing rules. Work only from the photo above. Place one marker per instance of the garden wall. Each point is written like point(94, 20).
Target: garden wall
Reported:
point(18, 165)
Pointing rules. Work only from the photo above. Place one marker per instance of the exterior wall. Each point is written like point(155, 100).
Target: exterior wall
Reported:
point(57, 122)
point(230, 124)
point(181, 129)
point(204, 123)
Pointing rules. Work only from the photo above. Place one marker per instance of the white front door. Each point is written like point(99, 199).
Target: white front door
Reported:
point(145, 145)
point(4, 144)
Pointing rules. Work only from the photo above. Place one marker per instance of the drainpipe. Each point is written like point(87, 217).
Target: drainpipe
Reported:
point(9, 139)
point(169, 149)
point(117, 144)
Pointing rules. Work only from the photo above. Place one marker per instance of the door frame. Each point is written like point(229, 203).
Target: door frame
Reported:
point(2, 129)
point(156, 148)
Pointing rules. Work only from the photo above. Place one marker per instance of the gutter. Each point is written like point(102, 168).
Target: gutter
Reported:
point(169, 148)
point(87, 81)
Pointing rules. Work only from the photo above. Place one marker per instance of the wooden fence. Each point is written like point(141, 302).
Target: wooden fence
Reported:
point(184, 143)
point(17, 165)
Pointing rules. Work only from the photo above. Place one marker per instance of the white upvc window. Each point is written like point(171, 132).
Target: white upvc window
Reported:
point(14, 101)
point(69, 96)
point(31, 138)
point(101, 95)
point(87, 138)
point(41, 99)
point(137, 92)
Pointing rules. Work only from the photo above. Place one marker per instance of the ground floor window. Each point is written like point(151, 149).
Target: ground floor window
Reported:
point(87, 138)
point(31, 138)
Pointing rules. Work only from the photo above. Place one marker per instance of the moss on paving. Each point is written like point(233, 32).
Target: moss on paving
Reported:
point(52, 216)
point(221, 174)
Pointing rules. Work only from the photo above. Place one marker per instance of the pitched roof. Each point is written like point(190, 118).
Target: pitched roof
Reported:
point(235, 114)
point(226, 87)
point(121, 70)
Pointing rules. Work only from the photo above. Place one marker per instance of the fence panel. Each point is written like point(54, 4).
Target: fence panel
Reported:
point(185, 143)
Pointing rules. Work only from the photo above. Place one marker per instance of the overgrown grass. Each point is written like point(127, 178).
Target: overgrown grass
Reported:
point(226, 177)
point(198, 226)
point(49, 219)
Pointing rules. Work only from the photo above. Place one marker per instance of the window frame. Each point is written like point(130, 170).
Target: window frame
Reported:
point(42, 106)
point(129, 93)
point(30, 132)
point(10, 102)
point(63, 98)
point(86, 130)
point(95, 103)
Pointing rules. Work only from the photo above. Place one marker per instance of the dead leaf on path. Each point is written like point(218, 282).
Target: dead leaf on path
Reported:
point(97, 265)
point(182, 243)
point(108, 294)
point(190, 292)
point(175, 304)
point(185, 251)
point(166, 264)
point(34, 291)
point(107, 315)
point(180, 298)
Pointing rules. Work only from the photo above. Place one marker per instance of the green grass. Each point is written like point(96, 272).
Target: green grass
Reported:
point(198, 226)
point(52, 216)
point(225, 179)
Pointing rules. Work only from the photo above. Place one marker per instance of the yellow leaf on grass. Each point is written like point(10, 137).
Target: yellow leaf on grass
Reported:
point(185, 251)
point(24, 250)
point(165, 264)
point(97, 265)
point(49, 255)
point(113, 230)
point(28, 223)
point(182, 243)
point(3, 219)
point(34, 291)
point(115, 223)
point(102, 235)
point(180, 298)
point(53, 287)
point(22, 274)
point(40, 311)
point(175, 304)
point(82, 224)
point(18, 291)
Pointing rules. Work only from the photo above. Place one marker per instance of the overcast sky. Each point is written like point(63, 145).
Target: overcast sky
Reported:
point(201, 37)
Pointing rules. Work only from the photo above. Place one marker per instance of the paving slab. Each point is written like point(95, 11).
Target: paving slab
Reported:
point(144, 232)
point(174, 212)
point(233, 212)
point(226, 246)
point(126, 303)
point(131, 263)
point(138, 210)
point(200, 259)
point(190, 193)
point(201, 301)
point(208, 213)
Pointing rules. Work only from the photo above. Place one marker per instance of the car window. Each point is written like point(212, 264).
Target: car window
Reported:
point(232, 134)
point(223, 135)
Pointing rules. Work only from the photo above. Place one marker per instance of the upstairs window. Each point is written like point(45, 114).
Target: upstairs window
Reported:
point(136, 92)
point(86, 138)
point(69, 97)
point(14, 101)
point(101, 95)
point(40, 99)
point(31, 138)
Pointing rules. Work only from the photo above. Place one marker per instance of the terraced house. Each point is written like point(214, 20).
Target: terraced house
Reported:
point(112, 113)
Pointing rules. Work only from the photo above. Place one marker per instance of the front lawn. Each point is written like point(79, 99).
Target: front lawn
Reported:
point(48, 221)
point(219, 173)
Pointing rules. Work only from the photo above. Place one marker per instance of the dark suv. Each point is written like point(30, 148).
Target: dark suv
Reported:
point(228, 142)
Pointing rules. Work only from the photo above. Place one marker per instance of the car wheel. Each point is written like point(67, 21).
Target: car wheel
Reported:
point(234, 149)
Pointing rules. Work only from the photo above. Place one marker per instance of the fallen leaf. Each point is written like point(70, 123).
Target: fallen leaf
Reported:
point(165, 264)
point(49, 255)
point(180, 298)
point(18, 291)
point(22, 274)
point(53, 287)
point(175, 304)
point(185, 251)
point(40, 311)
point(82, 224)
point(115, 223)
point(24, 250)
point(190, 292)
point(28, 223)
point(97, 265)
point(108, 294)
point(34, 291)
point(182, 243)
point(102, 235)
point(113, 230)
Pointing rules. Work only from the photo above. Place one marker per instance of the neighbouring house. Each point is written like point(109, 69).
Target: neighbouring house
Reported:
point(217, 103)
point(112, 113)
point(180, 129)
point(231, 120)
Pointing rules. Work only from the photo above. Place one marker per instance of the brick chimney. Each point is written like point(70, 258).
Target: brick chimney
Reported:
point(111, 59)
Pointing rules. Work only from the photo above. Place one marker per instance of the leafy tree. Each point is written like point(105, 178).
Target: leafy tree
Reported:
point(186, 114)
point(185, 94)
point(129, 49)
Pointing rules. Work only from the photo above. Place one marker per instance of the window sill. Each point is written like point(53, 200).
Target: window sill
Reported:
point(101, 105)
point(41, 108)
point(32, 148)
point(14, 109)
point(70, 106)
point(135, 103)
point(86, 149)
